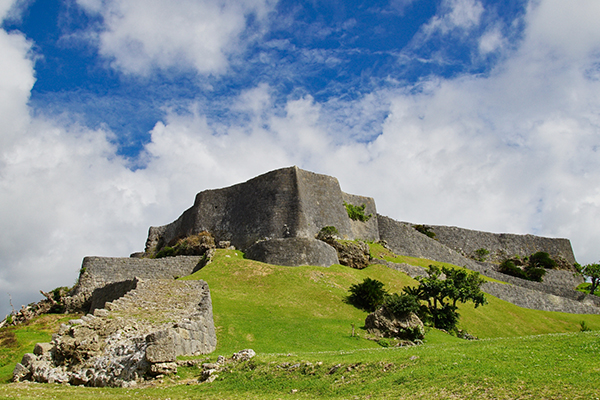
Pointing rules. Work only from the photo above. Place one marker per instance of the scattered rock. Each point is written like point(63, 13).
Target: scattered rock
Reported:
point(243, 355)
point(136, 340)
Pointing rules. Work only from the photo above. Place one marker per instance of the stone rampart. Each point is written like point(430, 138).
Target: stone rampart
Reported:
point(293, 252)
point(528, 298)
point(280, 204)
point(136, 337)
point(527, 294)
point(97, 272)
point(502, 245)
point(403, 239)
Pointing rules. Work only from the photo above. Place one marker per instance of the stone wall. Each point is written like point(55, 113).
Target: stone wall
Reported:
point(137, 337)
point(403, 239)
point(502, 245)
point(368, 230)
point(527, 294)
point(280, 204)
point(97, 272)
point(528, 298)
point(293, 252)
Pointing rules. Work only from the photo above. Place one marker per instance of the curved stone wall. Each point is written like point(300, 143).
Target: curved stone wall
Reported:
point(284, 203)
point(502, 245)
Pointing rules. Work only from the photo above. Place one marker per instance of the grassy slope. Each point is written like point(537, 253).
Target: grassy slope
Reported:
point(16, 341)
point(275, 309)
point(279, 310)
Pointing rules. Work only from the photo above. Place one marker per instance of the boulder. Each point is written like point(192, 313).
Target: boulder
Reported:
point(352, 254)
point(293, 252)
point(385, 324)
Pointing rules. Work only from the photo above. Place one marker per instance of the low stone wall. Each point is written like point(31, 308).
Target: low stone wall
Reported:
point(534, 295)
point(502, 245)
point(536, 300)
point(403, 239)
point(138, 336)
point(293, 252)
point(96, 272)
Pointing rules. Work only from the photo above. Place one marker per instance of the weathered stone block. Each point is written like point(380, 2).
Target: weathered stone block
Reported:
point(293, 252)
point(161, 347)
point(43, 349)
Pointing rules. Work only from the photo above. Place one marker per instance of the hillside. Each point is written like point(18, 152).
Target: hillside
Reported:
point(277, 309)
point(297, 317)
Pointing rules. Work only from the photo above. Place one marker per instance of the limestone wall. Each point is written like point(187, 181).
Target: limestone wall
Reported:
point(523, 293)
point(368, 230)
point(536, 300)
point(405, 240)
point(284, 203)
point(502, 245)
point(96, 272)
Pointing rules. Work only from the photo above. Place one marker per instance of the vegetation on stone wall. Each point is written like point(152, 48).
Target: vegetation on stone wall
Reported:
point(530, 272)
point(357, 213)
point(194, 245)
point(541, 259)
point(425, 230)
point(328, 232)
point(482, 254)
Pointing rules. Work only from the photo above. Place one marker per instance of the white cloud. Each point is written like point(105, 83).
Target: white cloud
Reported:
point(515, 151)
point(140, 35)
point(456, 14)
point(491, 41)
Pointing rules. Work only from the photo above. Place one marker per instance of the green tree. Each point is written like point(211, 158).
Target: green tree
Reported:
point(592, 272)
point(368, 295)
point(442, 295)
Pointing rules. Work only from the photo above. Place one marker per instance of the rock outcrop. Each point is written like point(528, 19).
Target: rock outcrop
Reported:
point(135, 337)
point(383, 323)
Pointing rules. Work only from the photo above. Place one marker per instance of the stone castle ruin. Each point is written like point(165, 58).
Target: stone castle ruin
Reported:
point(277, 218)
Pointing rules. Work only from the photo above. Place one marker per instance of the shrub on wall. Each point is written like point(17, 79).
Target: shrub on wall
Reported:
point(482, 254)
point(357, 213)
point(425, 230)
point(542, 259)
point(530, 272)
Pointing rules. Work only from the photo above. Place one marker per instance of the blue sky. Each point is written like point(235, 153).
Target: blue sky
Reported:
point(480, 114)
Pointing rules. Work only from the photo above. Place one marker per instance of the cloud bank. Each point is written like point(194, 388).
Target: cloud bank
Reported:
point(513, 150)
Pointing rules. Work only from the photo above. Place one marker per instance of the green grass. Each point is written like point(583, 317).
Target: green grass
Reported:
point(16, 341)
point(276, 309)
point(297, 315)
point(554, 366)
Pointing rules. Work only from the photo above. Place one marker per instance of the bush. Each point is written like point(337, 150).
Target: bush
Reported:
point(425, 230)
point(530, 272)
point(534, 273)
point(542, 259)
point(357, 213)
point(327, 232)
point(401, 304)
point(482, 254)
point(508, 267)
point(165, 252)
point(368, 295)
